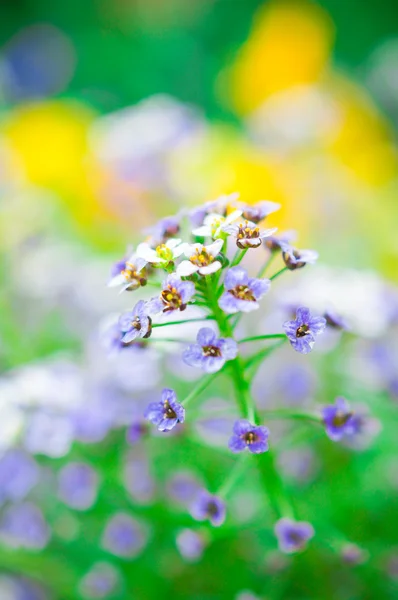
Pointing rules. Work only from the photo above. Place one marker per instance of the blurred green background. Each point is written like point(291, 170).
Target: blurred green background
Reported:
point(117, 112)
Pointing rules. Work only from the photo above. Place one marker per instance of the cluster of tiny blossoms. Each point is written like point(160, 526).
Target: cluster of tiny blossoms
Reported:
point(206, 271)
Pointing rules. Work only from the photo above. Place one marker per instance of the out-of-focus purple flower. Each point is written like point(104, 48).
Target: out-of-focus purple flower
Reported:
point(353, 554)
point(293, 535)
point(78, 485)
point(303, 330)
point(257, 212)
point(335, 320)
point(201, 259)
point(242, 292)
point(23, 526)
point(124, 536)
point(247, 234)
point(276, 242)
point(300, 464)
point(210, 353)
point(166, 413)
point(164, 229)
point(129, 272)
point(296, 259)
point(183, 487)
point(245, 435)
point(137, 478)
point(364, 429)
point(112, 339)
point(49, 434)
point(175, 295)
point(100, 582)
point(136, 431)
point(219, 206)
point(339, 420)
point(19, 473)
point(136, 323)
point(209, 507)
point(190, 544)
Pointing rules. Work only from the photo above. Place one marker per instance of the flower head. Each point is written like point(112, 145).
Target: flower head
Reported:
point(124, 536)
point(166, 413)
point(190, 544)
point(201, 259)
point(257, 212)
point(335, 321)
point(248, 234)
point(241, 291)
point(129, 272)
point(245, 435)
point(136, 323)
point(162, 255)
point(210, 352)
point(339, 420)
point(166, 228)
point(293, 535)
point(136, 432)
point(78, 484)
point(296, 259)
point(175, 295)
point(208, 507)
point(215, 225)
point(303, 330)
point(276, 242)
point(219, 206)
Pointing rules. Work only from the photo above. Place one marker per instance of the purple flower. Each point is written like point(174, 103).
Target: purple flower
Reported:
point(353, 554)
point(18, 475)
point(219, 206)
point(293, 535)
point(23, 526)
point(335, 320)
point(303, 330)
point(339, 420)
point(208, 507)
point(257, 212)
point(100, 582)
point(248, 234)
point(210, 352)
point(78, 485)
point(242, 292)
point(163, 230)
point(166, 413)
point(129, 272)
point(124, 536)
point(246, 435)
point(175, 295)
point(296, 259)
point(136, 323)
point(275, 242)
point(136, 432)
point(190, 544)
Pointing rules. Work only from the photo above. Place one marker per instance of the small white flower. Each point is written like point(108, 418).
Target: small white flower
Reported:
point(163, 254)
point(201, 259)
point(214, 224)
point(128, 273)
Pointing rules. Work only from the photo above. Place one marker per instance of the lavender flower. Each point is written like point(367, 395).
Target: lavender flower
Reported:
point(247, 234)
point(219, 206)
point(246, 435)
point(23, 526)
point(296, 259)
point(136, 323)
point(339, 420)
point(242, 292)
point(175, 295)
point(276, 242)
point(352, 554)
point(163, 230)
point(166, 413)
point(100, 582)
point(210, 353)
point(293, 535)
point(190, 544)
point(124, 536)
point(129, 272)
point(335, 320)
point(208, 507)
point(78, 485)
point(136, 432)
point(257, 212)
point(202, 259)
point(303, 330)
point(19, 473)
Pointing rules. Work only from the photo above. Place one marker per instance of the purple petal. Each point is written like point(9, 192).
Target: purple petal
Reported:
point(303, 315)
point(235, 276)
point(193, 355)
point(229, 304)
point(228, 347)
point(206, 336)
point(212, 364)
point(317, 324)
point(242, 426)
point(259, 287)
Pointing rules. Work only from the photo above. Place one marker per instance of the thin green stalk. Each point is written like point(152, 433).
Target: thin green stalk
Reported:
point(206, 318)
point(238, 257)
point(273, 484)
point(233, 476)
point(258, 357)
point(256, 338)
point(275, 275)
point(202, 385)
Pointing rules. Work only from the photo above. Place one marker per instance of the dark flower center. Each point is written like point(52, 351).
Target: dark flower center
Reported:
point(168, 411)
point(247, 232)
point(171, 298)
point(136, 324)
point(212, 508)
point(202, 259)
point(253, 215)
point(341, 418)
point(250, 437)
point(292, 259)
point(211, 351)
point(302, 330)
point(243, 292)
point(295, 537)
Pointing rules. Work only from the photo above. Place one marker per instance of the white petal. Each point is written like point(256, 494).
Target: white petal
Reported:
point(192, 249)
point(202, 231)
point(186, 268)
point(233, 216)
point(145, 251)
point(179, 250)
point(268, 232)
point(214, 248)
point(117, 280)
point(215, 266)
point(172, 243)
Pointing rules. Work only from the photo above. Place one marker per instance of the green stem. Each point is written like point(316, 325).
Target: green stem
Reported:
point(202, 385)
point(238, 257)
point(266, 265)
point(256, 338)
point(275, 275)
point(234, 475)
point(273, 484)
point(207, 318)
point(283, 413)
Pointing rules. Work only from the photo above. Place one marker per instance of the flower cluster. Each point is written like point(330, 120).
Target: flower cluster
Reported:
point(205, 271)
